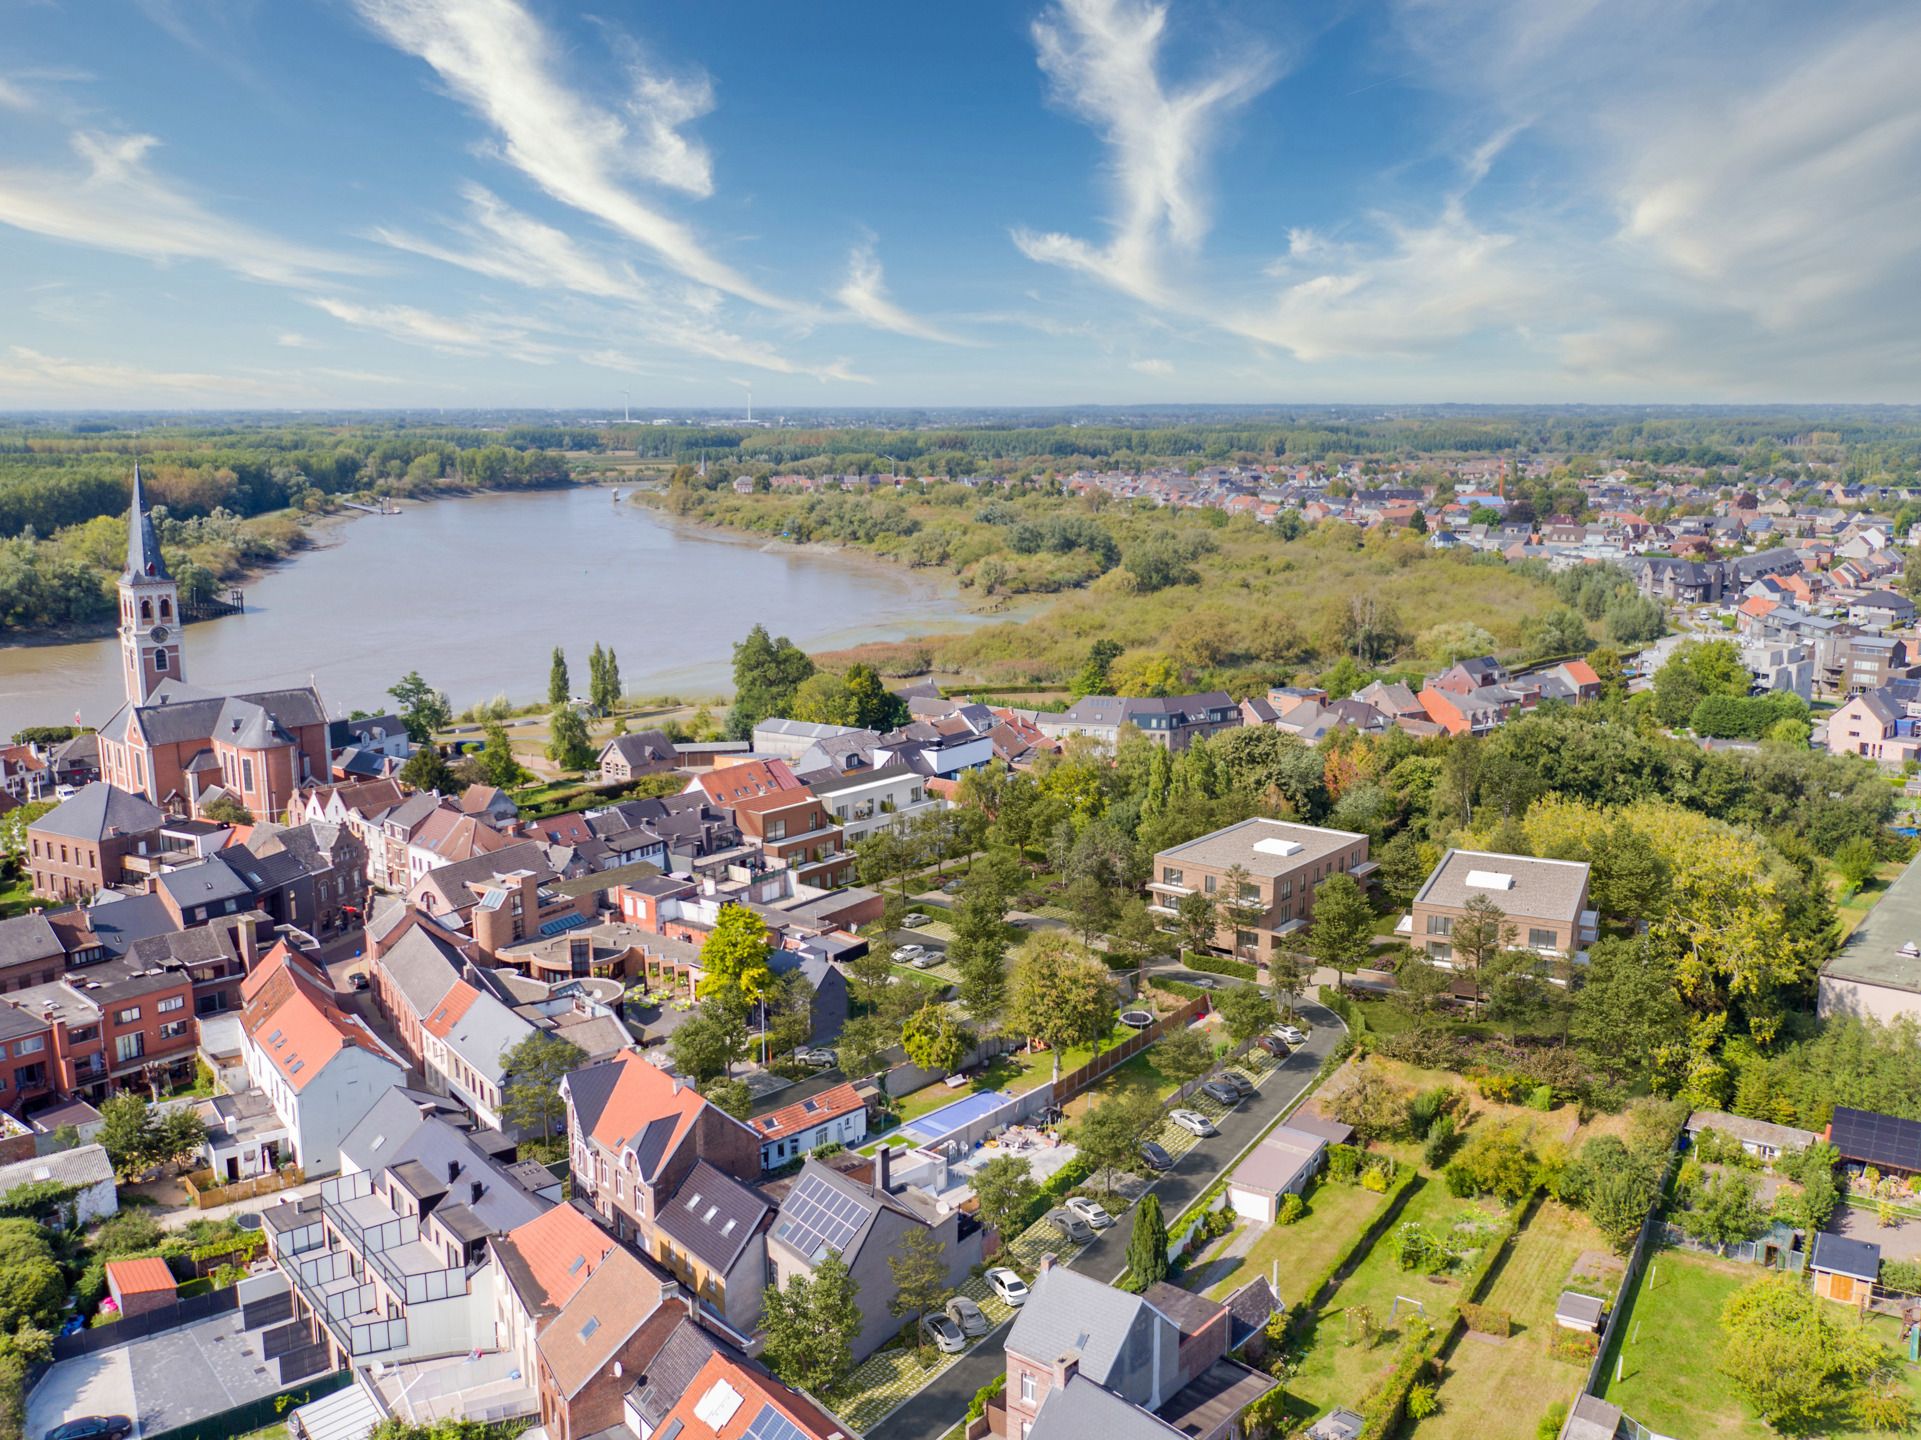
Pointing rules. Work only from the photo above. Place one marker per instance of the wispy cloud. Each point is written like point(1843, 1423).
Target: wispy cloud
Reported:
point(294, 340)
point(865, 295)
point(117, 202)
point(1104, 60)
point(52, 379)
point(473, 335)
point(1151, 365)
point(499, 60)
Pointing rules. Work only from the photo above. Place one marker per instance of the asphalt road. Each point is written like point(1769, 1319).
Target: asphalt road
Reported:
point(939, 1407)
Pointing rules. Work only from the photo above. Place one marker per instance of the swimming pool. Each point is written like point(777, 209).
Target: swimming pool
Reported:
point(937, 1125)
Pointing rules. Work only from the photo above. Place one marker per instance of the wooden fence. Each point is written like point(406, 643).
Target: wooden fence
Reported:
point(1084, 1077)
point(205, 1193)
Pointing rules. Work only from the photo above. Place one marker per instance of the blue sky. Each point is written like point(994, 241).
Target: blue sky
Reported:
point(516, 202)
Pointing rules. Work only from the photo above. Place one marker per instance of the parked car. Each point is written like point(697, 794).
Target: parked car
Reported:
point(1273, 1045)
point(944, 1333)
point(1071, 1226)
point(908, 954)
point(1291, 1034)
point(1223, 1092)
point(1091, 1211)
point(1155, 1156)
point(1006, 1284)
point(93, 1427)
point(1240, 1082)
point(358, 980)
point(1193, 1122)
point(1139, 1019)
point(969, 1316)
point(914, 920)
point(1205, 982)
point(817, 1056)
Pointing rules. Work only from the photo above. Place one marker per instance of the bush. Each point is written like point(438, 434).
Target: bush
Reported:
point(1343, 1163)
point(1499, 1088)
point(1548, 1427)
point(1293, 1207)
point(1902, 1275)
point(993, 1389)
point(1422, 1402)
point(1373, 1178)
point(199, 1286)
point(1218, 965)
point(1460, 1181)
point(1441, 1136)
point(1541, 1097)
point(1485, 1321)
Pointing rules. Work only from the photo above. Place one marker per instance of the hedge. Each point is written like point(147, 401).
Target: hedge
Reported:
point(1056, 1186)
point(1220, 965)
point(1342, 1005)
point(994, 1388)
point(1176, 987)
point(1484, 1321)
point(1395, 1194)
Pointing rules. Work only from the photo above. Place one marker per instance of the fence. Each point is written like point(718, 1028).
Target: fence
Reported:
point(256, 1414)
point(205, 1193)
point(1775, 1250)
point(1655, 1224)
point(1085, 1077)
point(134, 1327)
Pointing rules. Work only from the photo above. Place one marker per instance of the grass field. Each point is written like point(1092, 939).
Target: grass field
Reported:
point(1500, 1387)
point(1670, 1352)
point(1849, 913)
point(1335, 1214)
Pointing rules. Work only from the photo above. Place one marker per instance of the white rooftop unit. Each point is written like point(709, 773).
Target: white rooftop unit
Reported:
point(1273, 846)
point(1489, 880)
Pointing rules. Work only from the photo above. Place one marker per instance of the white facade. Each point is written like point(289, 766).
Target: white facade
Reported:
point(879, 801)
point(319, 1113)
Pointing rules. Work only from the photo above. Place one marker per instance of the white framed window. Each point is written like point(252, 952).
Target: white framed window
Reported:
point(172, 1002)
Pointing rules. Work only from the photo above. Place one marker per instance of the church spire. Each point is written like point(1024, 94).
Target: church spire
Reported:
point(144, 560)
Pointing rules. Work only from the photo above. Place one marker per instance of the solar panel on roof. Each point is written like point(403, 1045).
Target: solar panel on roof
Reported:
point(1875, 1139)
point(770, 1424)
point(819, 1218)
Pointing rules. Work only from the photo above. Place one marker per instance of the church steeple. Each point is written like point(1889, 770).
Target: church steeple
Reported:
point(144, 560)
point(149, 607)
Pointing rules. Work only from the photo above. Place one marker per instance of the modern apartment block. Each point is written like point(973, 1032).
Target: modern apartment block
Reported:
point(1545, 900)
point(1282, 863)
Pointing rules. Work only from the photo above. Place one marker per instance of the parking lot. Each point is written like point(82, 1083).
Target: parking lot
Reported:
point(162, 1381)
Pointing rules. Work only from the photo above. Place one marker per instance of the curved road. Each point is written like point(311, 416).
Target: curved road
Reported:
point(939, 1407)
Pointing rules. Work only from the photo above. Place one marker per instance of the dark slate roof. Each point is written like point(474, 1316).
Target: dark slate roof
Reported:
point(672, 1370)
point(590, 1086)
point(98, 808)
point(16, 1023)
point(210, 882)
point(27, 938)
point(713, 1215)
point(1845, 1256)
point(144, 560)
point(364, 731)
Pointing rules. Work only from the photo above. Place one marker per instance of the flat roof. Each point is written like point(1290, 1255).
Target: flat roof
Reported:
point(1521, 885)
point(1263, 847)
point(1872, 954)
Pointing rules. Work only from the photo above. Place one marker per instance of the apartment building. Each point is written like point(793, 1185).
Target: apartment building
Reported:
point(80, 847)
point(1281, 863)
point(1173, 722)
point(865, 801)
point(1545, 900)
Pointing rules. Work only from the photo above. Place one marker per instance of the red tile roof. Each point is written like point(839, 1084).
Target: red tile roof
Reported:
point(561, 1249)
point(645, 1093)
point(806, 1114)
point(454, 1004)
point(141, 1277)
point(728, 783)
point(756, 1390)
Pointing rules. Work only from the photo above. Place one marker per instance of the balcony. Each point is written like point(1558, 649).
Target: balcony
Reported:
point(1404, 926)
point(1165, 887)
point(389, 1242)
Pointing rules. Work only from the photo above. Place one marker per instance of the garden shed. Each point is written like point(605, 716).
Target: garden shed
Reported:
point(1575, 1311)
point(1281, 1164)
point(1844, 1269)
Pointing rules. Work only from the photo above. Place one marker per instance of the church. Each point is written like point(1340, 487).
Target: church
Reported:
point(182, 747)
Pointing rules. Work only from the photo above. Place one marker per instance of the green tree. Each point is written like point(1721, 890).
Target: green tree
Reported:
point(1792, 1356)
point(1240, 904)
point(567, 742)
point(1419, 986)
point(1184, 1057)
point(178, 1135)
point(733, 959)
point(1627, 1014)
point(426, 770)
point(497, 759)
point(1246, 1011)
point(225, 810)
point(1094, 676)
point(1481, 932)
point(918, 1265)
point(1341, 935)
point(533, 1068)
point(766, 674)
point(423, 709)
point(934, 1039)
point(1195, 915)
point(1697, 670)
point(560, 690)
point(1108, 1135)
point(1724, 1211)
point(1006, 1189)
point(127, 1133)
point(733, 1096)
point(1147, 1244)
point(32, 1289)
point(811, 1324)
point(1856, 861)
point(1060, 995)
point(863, 1046)
point(979, 947)
point(708, 1044)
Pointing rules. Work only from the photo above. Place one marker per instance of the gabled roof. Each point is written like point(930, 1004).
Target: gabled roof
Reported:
point(729, 1399)
point(601, 1316)
point(645, 1109)
point(551, 1256)
point(1067, 1310)
point(148, 1276)
point(804, 1115)
point(98, 809)
point(713, 1215)
point(303, 1034)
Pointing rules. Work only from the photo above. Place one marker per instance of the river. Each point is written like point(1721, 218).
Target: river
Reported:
point(475, 592)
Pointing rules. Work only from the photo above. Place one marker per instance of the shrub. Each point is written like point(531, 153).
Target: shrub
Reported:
point(1218, 965)
point(994, 1388)
point(1548, 1427)
point(1460, 1181)
point(1577, 1347)
point(1375, 1179)
point(1422, 1402)
point(1483, 1320)
point(1292, 1208)
point(1499, 1088)
point(1902, 1275)
point(1426, 1108)
point(1541, 1097)
point(1343, 1163)
point(1441, 1136)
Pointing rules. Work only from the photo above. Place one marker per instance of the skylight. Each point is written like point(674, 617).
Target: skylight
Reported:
point(579, 1260)
point(587, 1330)
point(1272, 846)
point(694, 1203)
point(1489, 880)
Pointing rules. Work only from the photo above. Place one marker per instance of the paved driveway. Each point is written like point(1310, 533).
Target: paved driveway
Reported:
point(940, 1406)
point(100, 1384)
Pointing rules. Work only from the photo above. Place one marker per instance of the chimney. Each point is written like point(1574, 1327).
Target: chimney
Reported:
point(1047, 1263)
point(1066, 1367)
point(474, 1192)
point(453, 1171)
point(884, 1163)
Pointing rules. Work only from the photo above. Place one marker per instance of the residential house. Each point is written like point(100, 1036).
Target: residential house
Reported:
point(1173, 722)
point(118, 1024)
point(789, 739)
point(608, 1330)
point(1883, 724)
point(712, 1235)
point(865, 801)
point(835, 1116)
point(793, 828)
point(1282, 864)
point(859, 1214)
point(1761, 1138)
point(499, 899)
point(542, 1263)
point(1546, 901)
point(319, 1065)
point(627, 758)
point(80, 847)
point(735, 780)
point(730, 1399)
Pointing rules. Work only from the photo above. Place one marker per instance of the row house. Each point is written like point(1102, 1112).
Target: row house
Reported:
point(729, 1398)
point(116, 1025)
point(793, 829)
point(1173, 722)
point(501, 898)
point(391, 1260)
point(81, 847)
point(865, 801)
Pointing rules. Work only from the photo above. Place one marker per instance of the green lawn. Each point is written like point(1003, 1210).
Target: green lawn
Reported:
point(17, 898)
point(1334, 1371)
point(1669, 1347)
point(1853, 910)
point(1334, 1214)
point(1497, 1387)
point(1013, 1073)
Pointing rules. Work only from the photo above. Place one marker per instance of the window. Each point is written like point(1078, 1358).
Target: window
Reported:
point(1542, 939)
point(130, 1047)
point(32, 1045)
point(1027, 1387)
point(1250, 892)
point(127, 1016)
point(174, 1029)
point(246, 774)
point(172, 1002)
point(1170, 876)
point(1440, 924)
point(1207, 884)
point(1436, 950)
point(160, 659)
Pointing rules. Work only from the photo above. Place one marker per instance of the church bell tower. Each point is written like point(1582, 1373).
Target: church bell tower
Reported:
point(149, 607)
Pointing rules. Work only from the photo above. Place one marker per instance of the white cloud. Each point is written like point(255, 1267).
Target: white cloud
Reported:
point(118, 203)
point(1104, 60)
point(294, 340)
point(865, 294)
point(474, 335)
point(38, 378)
point(1151, 365)
point(498, 59)
point(12, 97)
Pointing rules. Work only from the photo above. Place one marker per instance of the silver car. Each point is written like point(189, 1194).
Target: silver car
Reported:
point(944, 1333)
point(1193, 1122)
point(969, 1316)
point(1071, 1226)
